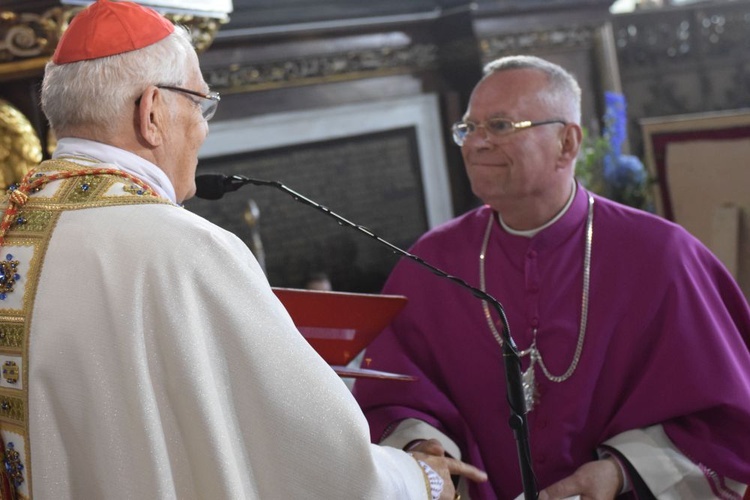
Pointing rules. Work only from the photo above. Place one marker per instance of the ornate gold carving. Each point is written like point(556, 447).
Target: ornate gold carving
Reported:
point(29, 35)
point(26, 35)
point(202, 29)
point(323, 68)
point(20, 148)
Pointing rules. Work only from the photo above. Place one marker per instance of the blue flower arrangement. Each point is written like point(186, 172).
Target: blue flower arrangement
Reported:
point(604, 169)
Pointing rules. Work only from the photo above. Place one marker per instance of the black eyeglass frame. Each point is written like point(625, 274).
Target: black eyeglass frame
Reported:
point(209, 101)
point(459, 137)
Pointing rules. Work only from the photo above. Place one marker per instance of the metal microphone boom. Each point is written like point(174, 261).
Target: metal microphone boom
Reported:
point(213, 186)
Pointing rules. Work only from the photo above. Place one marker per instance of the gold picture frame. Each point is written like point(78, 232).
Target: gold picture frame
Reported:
point(659, 132)
point(702, 166)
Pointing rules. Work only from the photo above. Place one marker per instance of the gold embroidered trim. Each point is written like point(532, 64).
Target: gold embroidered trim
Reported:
point(28, 234)
point(12, 408)
point(11, 335)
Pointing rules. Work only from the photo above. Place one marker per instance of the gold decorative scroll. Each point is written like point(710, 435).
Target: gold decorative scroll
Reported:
point(29, 35)
point(202, 29)
point(20, 148)
point(27, 39)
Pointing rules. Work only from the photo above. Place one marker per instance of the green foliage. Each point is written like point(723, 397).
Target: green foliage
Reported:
point(589, 167)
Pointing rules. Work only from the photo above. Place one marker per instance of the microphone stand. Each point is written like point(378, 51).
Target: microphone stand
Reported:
point(511, 358)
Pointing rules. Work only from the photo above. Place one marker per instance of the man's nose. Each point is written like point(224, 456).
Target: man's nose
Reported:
point(483, 137)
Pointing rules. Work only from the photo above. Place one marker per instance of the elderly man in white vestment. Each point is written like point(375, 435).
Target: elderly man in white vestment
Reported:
point(144, 353)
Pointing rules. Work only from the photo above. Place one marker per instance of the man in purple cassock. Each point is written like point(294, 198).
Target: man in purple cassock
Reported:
point(633, 336)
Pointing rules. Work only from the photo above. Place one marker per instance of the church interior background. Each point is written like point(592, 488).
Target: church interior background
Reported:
point(349, 102)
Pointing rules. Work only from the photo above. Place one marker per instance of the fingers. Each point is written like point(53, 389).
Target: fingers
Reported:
point(428, 446)
point(599, 480)
point(560, 489)
point(447, 467)
point(458, 468)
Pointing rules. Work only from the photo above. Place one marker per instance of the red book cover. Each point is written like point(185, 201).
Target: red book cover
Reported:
point(339, 325)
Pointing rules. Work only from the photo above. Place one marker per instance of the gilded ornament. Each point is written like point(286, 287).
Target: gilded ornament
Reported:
point(12, 408)
point(8, 275)
point(13, 464)
point(20, 148)
point(10, 372)
point(27, 35)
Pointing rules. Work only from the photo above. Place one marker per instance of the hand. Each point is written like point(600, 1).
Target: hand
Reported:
point(597, 480)
point(432, 452)
point(428, 446)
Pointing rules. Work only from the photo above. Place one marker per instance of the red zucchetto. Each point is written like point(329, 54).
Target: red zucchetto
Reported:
point(107, 28)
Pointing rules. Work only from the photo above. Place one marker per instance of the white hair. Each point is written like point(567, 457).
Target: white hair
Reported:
point(92, 92)
point(563, 88)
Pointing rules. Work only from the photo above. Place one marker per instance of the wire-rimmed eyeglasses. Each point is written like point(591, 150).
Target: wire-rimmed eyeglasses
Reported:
point(494, 127)
point(208, 103)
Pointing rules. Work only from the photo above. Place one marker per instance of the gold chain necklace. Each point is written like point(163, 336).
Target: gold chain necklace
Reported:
point(529, 383)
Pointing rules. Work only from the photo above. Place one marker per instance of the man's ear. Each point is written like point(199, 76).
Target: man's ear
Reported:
point(150, 111)
point(570, 142)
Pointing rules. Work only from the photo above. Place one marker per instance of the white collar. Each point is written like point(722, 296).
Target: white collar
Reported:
point(88, 152)
point(528, 233)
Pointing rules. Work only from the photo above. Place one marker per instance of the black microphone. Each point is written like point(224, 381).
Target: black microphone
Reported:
point(213, 187)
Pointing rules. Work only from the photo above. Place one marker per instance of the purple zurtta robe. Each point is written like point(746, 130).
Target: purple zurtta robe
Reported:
point(666, 343)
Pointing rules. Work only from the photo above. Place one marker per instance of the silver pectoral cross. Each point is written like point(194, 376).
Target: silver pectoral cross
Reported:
point(528, 381)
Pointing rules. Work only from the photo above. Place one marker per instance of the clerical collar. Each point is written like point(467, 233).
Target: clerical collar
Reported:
point(529, 233)
point(85, 151)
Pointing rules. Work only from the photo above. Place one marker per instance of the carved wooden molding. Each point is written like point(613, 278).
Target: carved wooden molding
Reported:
point(662, 39)
point(681, 61)
point(537, 41)
point(326, 68)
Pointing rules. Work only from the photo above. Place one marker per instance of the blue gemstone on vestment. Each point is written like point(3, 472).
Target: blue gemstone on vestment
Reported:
point(9, 256)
